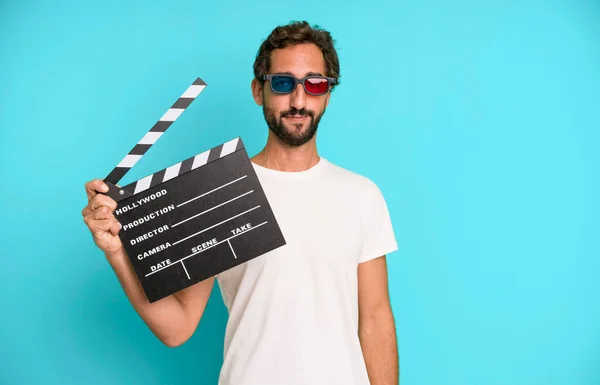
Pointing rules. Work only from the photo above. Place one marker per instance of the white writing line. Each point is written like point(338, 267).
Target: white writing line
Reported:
point(212, 208)
point(213, 190)
point(208, 228)
point(209, 247)
point(186, 273)
point(234, 256)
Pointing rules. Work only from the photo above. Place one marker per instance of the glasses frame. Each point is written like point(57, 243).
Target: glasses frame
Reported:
point(330, 81)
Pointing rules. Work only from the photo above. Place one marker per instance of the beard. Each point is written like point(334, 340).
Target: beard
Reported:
point(293, 136)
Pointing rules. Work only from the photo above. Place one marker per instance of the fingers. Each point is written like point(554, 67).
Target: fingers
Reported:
point(98, 214)
point(110, 224)
point(93, 187)
point(102, 219)
point(98, 201)
point(102, 213)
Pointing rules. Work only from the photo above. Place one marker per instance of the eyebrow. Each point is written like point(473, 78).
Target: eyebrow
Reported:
point(290, 74)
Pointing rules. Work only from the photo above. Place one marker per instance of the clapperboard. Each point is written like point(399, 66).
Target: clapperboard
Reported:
point(194, 219)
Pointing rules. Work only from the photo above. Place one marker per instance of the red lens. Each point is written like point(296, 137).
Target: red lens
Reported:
point(316, 85)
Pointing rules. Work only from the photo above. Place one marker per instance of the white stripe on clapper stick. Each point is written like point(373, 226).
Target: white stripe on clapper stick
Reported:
point(143, 184)
point(171, 114)
point(193, 91)
point(129, 160)
point(200, 159)
point(150, 138)
point(229, 147)
point(172, 172)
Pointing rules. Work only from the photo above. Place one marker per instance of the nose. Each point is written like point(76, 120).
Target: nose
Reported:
point(298, 97)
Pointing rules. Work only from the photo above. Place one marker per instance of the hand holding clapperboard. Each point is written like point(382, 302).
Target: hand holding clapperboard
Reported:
point(194, 219)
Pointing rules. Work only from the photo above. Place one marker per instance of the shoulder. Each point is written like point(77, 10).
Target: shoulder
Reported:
point(369, 208)
point(356, 189)
point(350, 179)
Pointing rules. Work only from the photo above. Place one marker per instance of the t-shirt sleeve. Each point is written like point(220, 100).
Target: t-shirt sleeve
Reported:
point(379, 236)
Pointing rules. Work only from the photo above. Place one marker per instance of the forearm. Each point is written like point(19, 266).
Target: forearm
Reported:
point(165, 318)
point(377, 333)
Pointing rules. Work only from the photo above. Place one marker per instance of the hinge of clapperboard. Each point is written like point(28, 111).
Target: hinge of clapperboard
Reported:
point(119, 193)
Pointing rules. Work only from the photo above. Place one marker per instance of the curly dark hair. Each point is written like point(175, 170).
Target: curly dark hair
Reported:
point(297, 32)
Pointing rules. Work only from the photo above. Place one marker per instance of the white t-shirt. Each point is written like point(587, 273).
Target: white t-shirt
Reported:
point(293, 312)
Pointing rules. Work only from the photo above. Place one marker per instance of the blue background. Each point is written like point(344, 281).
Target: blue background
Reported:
point(479, 121)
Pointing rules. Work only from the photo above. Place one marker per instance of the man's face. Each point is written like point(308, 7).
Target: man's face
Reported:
point(294, 117)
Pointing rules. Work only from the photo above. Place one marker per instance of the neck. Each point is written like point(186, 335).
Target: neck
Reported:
point(278, 156)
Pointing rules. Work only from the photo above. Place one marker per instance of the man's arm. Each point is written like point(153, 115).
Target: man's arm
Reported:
point(377, 330)
point(172, 319)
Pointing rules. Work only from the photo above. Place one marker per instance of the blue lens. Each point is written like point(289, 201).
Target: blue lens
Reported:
point(282, 83)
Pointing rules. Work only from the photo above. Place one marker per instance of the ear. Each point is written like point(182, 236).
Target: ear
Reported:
point(257, 93)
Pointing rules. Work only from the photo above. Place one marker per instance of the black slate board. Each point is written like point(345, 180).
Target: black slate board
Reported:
point(196, 225)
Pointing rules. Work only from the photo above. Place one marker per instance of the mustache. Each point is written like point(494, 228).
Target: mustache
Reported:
point(294, 112)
